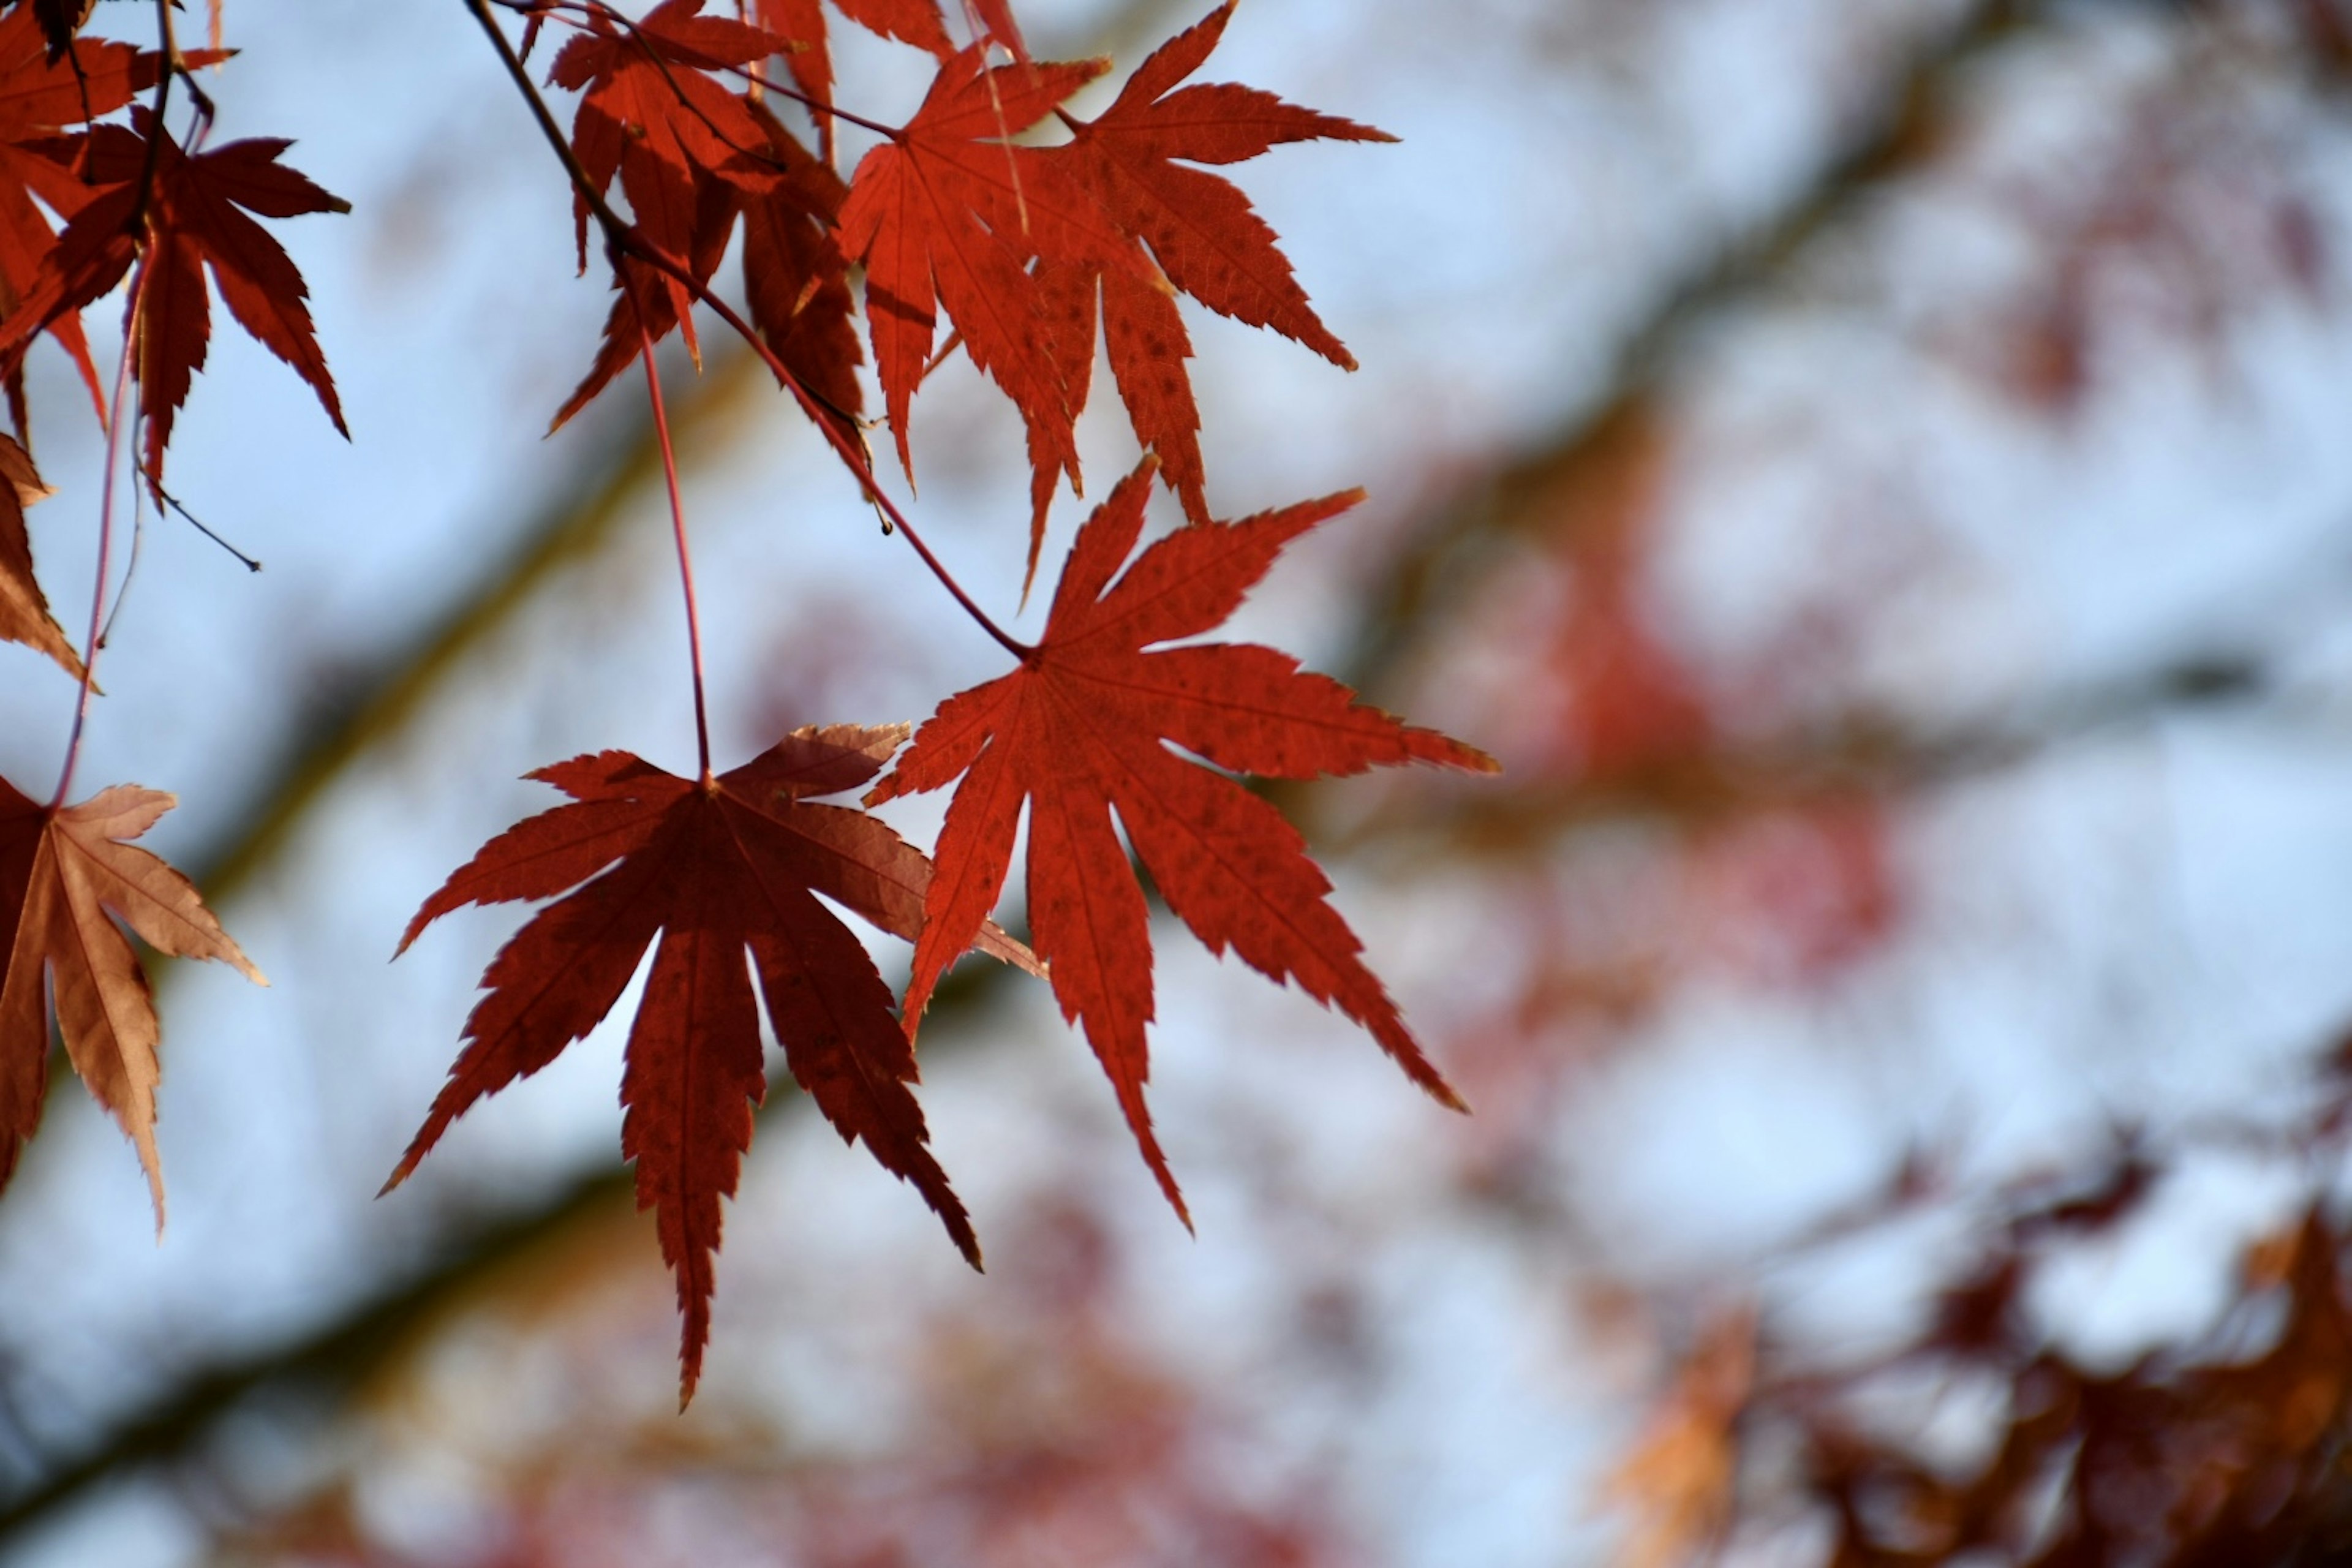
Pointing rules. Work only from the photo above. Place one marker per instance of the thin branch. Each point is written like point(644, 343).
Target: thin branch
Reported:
point(624, 237)
point(677, 515)
point(96, 640)
point(192, 521)
point(130, 567)
point(163, 75)
point(1456, 543)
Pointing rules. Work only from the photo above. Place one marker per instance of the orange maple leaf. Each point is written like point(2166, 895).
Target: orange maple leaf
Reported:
point(67, 874)
point(1081, 729)
point(23, 612)
point(713, 868)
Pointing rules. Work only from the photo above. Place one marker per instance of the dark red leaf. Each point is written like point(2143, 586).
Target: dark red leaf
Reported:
point(1081, 730)
point(713, 870)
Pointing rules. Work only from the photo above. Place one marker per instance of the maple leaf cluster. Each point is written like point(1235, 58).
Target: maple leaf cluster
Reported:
point(1034, 252)
point(1075, 733)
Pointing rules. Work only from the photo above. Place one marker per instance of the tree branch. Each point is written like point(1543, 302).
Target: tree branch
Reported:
point(1456, 544)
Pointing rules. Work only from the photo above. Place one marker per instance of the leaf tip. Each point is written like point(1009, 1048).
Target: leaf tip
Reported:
point(152, 1163)
point(400, 1173)
point(234, 956)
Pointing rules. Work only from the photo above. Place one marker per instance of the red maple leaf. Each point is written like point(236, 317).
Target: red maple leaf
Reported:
point(175, 214)
point(949, 213)
point(1201, 230)
point(713, 868)
point(651, 113)
point(665, 302)
point(796, 280)
point(1080, 729)
point(687, 150)
point(41, 93)
point(802, 23)
point(67, 875)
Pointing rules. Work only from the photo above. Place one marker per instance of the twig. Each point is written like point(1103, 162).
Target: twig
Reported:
point(169, 500)
point(676, 513)
point(622, 237)
point(96, 639)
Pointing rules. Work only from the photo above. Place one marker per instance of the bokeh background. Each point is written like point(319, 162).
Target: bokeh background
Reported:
point(1877, 472)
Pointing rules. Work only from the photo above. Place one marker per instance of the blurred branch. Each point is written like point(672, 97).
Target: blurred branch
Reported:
point(1863, 754)
point(382, 702)
point(345, 1351)
point(334, 1358)
point(1454, 548)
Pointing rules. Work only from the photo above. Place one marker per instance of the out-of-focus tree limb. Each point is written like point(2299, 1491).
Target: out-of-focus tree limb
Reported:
point(1452, 549)
point(348, 1350)
point(1867, 754)
point(382, 702)
point(323, 1363)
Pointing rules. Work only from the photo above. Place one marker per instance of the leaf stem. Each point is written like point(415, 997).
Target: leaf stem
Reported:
point(625, 239)
point(249, 562)
point(96, 639)
point(163, 75)
point(677, 515)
